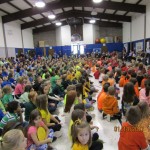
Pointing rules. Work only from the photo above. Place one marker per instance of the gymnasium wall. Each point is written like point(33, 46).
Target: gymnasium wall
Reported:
point(27, 38)
point(58, 36)
point(2, 45)
point(13, 35)
point(14, 38)
point(66, 35)
point(126, 32)
point(137, 27)
point(148, 21)
point(1, 34)
point(49, 38)
point(62, 35)
point(88, 34)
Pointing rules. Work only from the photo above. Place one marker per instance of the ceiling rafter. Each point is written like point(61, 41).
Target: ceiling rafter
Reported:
point(6, 12)
point(99, 23)
point(135, 4)
point(75, 13)
point(14, 6)
point(28, 3)
point(4, 1)
point(76, 3)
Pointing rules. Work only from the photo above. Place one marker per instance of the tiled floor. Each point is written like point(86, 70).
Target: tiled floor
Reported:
point(106, 129)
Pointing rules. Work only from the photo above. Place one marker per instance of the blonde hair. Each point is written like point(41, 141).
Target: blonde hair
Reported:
point(12, 140)
point(20, 80)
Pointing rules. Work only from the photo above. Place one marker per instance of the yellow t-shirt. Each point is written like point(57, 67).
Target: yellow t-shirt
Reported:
point(78, 75)
point(45, 115)
point(69, 131)
point(78, 146)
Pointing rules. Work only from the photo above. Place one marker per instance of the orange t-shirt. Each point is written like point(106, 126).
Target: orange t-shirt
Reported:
point(111, 81)
point(110, 105)
point(125, 82)
point(142, 83)
point(100, 100)
point(131, 138)
point(93, 69)
point(121, 82)
point(136, 89)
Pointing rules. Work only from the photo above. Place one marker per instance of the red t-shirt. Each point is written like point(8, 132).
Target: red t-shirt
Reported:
point(131, 138)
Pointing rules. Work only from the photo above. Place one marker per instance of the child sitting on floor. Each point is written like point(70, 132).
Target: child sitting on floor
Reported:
point(132, 137)
point(97, 73)
point(7, 96)
point(110, 105)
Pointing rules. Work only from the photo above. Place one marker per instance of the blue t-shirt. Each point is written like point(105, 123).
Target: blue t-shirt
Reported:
point(5, 83)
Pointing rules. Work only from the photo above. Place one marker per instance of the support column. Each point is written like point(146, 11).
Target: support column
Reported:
point(6, 49)
point(131, 35)
point(144, 32)
point(22, 41)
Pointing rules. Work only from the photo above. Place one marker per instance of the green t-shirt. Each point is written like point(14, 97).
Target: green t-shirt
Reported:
point(43, 76)
point(53, 80)
point(2, 107)
point(50, 70)
point(7, 98)
point(29, 107)
point(8, 117)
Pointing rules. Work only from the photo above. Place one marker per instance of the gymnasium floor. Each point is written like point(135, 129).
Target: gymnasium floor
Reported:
point(106, 129)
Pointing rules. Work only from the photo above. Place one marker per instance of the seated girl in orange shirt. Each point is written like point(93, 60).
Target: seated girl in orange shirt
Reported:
point(102, 96)
point(121, 82)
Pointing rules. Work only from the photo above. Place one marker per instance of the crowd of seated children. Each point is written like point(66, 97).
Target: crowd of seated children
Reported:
point(41, 84)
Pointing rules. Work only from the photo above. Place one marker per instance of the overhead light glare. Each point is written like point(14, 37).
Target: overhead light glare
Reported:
point(58, 23)
point(92, 21)
point(39, 4)
point(51, 16)
point(97, 1)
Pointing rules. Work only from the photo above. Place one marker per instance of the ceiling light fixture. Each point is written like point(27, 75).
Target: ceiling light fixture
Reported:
point(40, 3)
point(58, 23)
point(92, 21)
point(51, 16)
point(97, 1)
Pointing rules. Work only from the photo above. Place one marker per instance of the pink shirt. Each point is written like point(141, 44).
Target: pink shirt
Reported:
point(19, 89)
point(143, 97)
point(31, 130)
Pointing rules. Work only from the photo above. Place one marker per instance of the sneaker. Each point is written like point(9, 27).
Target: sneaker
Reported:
point(108, 118)
point(54, 139)
point(103, 115)
point(58, 134)
point(118, 98)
